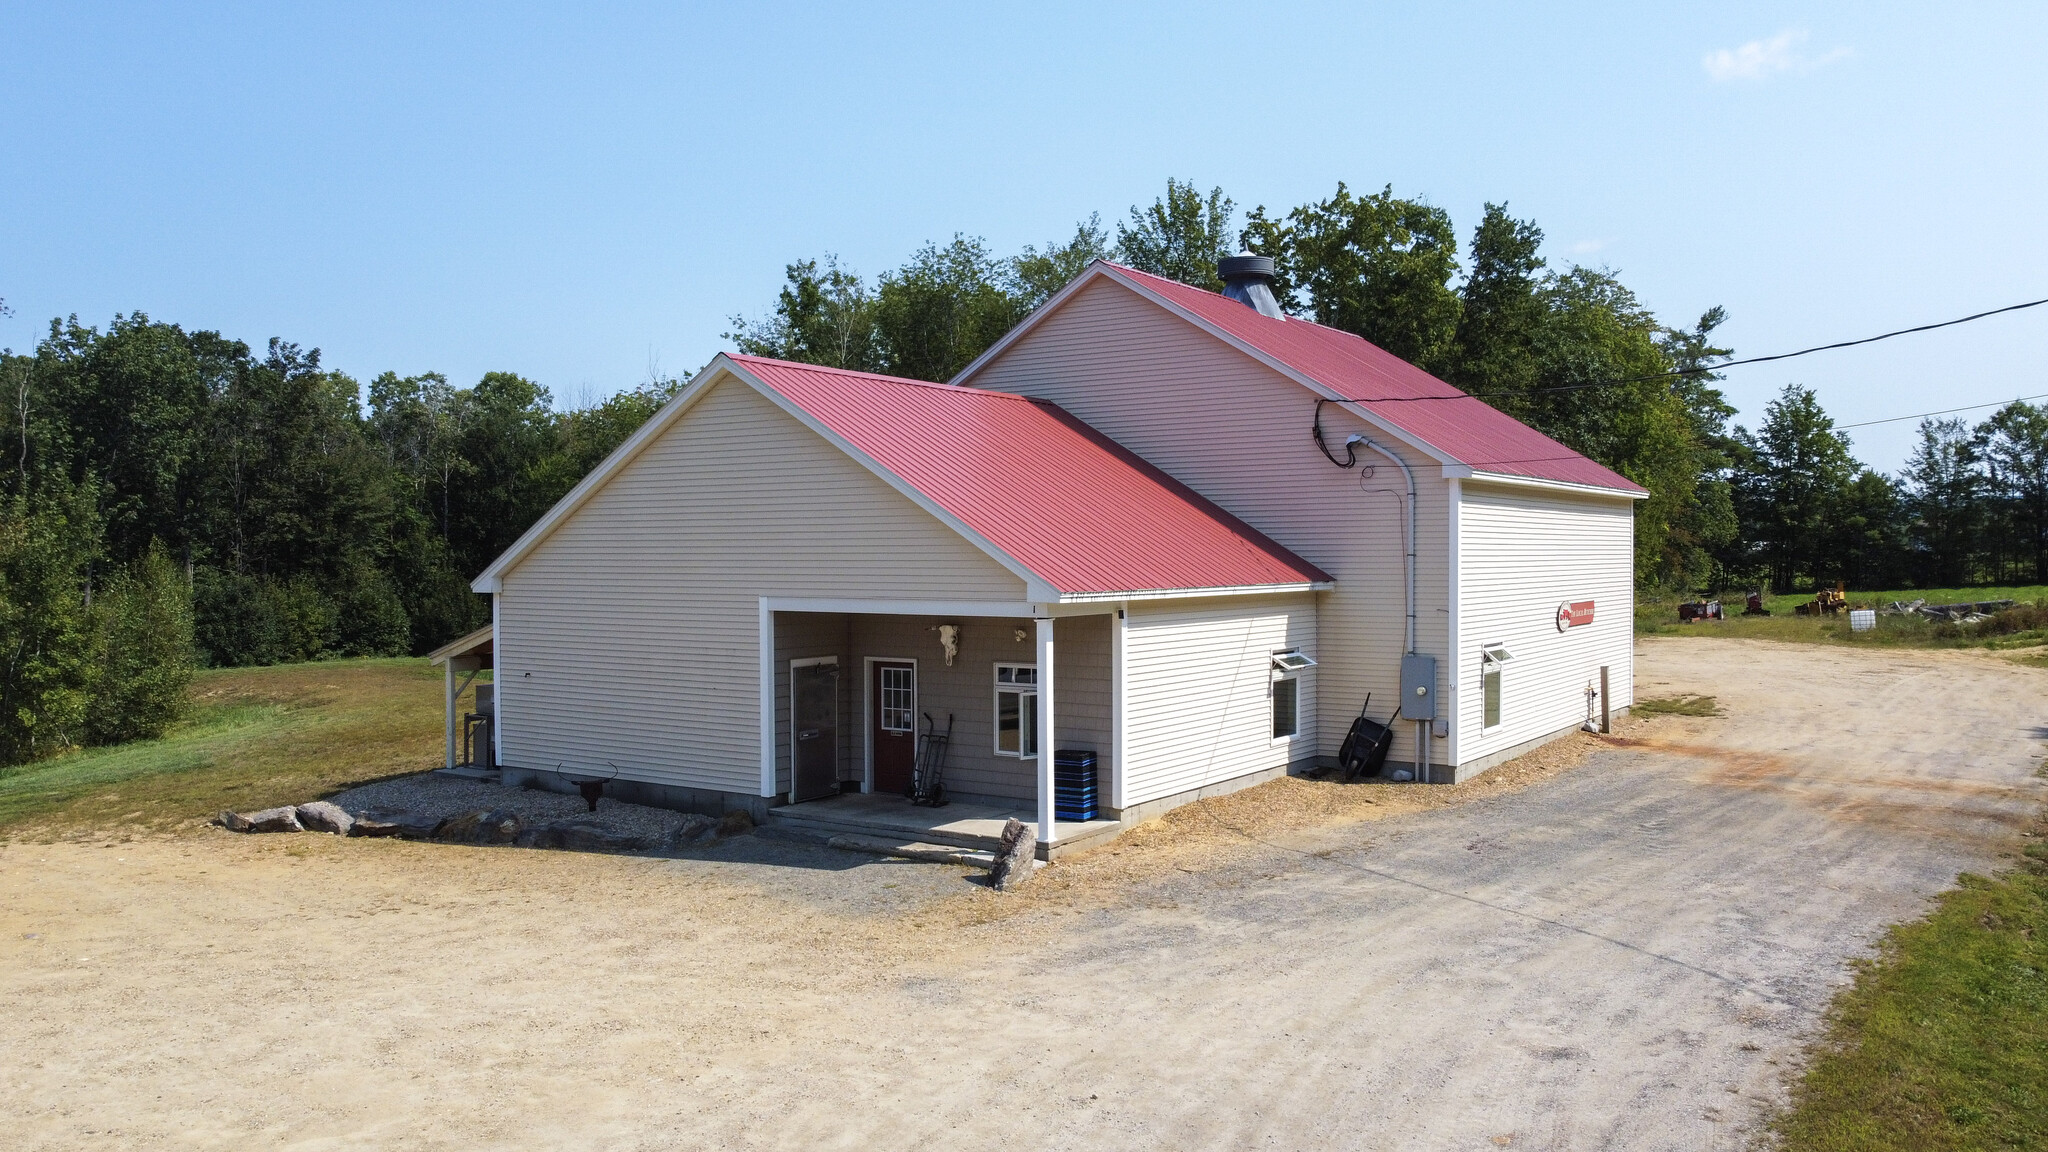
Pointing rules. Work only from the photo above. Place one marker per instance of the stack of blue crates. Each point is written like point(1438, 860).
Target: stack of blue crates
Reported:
point(1073, 794)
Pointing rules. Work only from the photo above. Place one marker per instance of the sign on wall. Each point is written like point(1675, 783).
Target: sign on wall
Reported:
point(1574, 613)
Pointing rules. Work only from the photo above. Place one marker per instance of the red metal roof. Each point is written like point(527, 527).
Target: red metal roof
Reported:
point(1466, 428)
point(1060, 498)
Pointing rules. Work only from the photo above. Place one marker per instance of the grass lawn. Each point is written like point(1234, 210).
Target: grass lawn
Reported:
point(1942, 1043)
point(256, 737)
point(1658, 616)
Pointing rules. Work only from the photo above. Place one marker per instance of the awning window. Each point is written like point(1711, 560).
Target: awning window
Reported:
point(1497, 653)
point(1291, 661)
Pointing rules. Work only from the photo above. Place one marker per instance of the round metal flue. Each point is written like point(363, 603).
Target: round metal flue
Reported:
point(1248, 279)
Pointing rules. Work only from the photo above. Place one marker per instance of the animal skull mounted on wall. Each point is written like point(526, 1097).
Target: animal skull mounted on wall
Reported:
point(949, 639)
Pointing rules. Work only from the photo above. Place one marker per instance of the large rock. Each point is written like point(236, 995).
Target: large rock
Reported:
point(322, 816)
point(581, 836)
point(495, 826)
point(233, 821)
point(368, 827)
point(694, 829)
point(735, 823)
point(1015, 858)
point(285, 819)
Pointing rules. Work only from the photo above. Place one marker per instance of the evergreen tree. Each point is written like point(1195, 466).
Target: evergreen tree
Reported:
point(1942, 489)
point(1795, 470)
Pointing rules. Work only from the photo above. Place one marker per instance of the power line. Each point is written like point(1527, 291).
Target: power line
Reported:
point(1724, 364)
point(1942, 412)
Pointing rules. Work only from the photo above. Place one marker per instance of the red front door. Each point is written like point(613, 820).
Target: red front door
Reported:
point(892, 724)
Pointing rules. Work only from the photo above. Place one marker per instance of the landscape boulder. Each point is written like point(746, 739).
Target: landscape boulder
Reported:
point(495, 826)
point(365, 826)
point(285, 819)
point(581, 836)
point(694, 828)
point(1015, 857)
point(735, 823)
point(233, 821)
point(323, 816)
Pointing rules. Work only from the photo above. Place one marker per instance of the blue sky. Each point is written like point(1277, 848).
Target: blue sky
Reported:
point(576, 192)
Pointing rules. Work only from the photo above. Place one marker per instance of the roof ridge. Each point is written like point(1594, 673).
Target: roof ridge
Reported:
point(878, 377)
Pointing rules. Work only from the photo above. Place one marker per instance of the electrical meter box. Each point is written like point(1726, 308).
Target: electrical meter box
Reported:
point(1418, 687)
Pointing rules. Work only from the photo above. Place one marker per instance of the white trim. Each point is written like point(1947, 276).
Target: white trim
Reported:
point(1047, 735)
point(448, 708)
point(995, 703)
point(1120, 703)
point(1462, 472)
point(1456, 637)
point(1004, 608)
point(809, 662)
point(867, 712)
point(497, 697)
point(1192, 593)
point(768, 701)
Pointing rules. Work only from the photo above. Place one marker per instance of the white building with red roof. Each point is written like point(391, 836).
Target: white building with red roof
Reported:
point(1173, 537)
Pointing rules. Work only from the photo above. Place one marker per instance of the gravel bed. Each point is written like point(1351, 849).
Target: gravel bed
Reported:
point(431, 795)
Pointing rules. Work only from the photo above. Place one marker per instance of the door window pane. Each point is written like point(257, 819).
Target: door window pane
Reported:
point(1489, 677)
point(899, 698)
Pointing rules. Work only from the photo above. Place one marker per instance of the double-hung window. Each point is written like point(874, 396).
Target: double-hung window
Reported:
point(1017, 710)
point(1287, 668)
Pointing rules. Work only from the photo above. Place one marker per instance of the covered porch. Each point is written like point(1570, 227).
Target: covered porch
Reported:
point(855, 694)
point(471, 737)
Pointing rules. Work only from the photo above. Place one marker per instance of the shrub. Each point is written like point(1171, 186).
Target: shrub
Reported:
point(142, 652)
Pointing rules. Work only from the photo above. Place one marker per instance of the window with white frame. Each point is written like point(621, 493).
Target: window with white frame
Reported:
point(1017, 710)
point(1491, 659)
point(1286, 691)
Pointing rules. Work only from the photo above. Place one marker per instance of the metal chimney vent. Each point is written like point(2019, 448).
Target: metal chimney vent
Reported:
point(1248, 279)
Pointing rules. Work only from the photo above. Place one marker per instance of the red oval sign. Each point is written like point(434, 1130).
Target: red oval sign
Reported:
point(1574, 613)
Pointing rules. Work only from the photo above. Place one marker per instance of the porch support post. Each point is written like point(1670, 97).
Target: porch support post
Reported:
point(1045, 732)
point(448, 706)
point(767, 715)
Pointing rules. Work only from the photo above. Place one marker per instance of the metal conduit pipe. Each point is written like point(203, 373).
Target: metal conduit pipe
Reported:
point(1421, 726)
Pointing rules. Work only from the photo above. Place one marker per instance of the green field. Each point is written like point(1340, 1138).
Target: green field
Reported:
point(1658, 616)
point(256, 737)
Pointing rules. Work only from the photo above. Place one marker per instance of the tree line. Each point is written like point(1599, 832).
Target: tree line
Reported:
point(1970, 506)
point(172, 498)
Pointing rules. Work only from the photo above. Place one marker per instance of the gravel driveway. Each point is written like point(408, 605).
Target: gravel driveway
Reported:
point(1628, 956)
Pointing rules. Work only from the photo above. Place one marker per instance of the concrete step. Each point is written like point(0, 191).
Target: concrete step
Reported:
point(830, 828)
point(933, 853)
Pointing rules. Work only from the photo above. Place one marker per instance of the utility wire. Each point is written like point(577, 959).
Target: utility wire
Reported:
point(1705, 368)
point(1943, 412)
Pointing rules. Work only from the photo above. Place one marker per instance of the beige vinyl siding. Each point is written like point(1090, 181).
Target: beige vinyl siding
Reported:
point(1198, 680)
point(966, 692)
point(631, 634)
point(1520, 557)
point(1238, 432)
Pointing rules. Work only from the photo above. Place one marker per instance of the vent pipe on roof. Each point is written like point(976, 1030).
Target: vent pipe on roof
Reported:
point(1248, 279)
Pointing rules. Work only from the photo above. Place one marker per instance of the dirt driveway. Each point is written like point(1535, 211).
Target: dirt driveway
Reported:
point(1623, 955)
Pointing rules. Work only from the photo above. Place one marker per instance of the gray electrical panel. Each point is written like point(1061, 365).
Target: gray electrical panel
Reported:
point(1418, 687)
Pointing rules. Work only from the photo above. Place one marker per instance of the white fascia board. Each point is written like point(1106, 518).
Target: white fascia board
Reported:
point(1194, 593)
point(1035, 586)
point(1464, 473)
point(1094, 271)
point(491, 578)
point(1001, 608)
